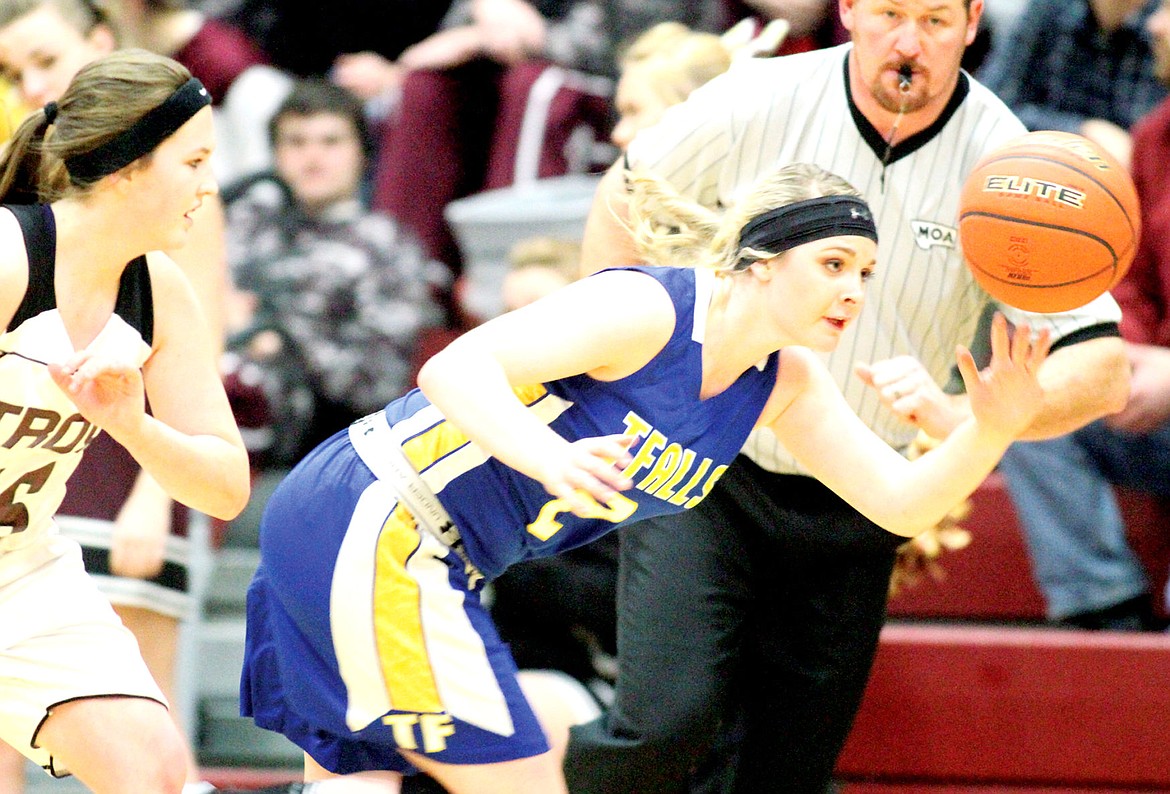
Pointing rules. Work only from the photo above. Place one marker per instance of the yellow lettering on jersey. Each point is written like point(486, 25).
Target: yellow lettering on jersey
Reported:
point(667, 491)
point(682, 496)
point(636, 426)
point(402, 727)
point(435, 730)
point(664, 467)
point(707, 486)
point(645, 455)
point(546, 525)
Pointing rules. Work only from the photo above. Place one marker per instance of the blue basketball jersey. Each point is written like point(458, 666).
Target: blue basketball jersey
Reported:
point(367, 636)
point(683, 444)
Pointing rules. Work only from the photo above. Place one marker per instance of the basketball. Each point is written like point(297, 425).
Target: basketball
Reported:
point(1048, 222)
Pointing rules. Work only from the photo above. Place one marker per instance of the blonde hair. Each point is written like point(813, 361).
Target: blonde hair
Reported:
point(104, 99)
point(675, 60)
point(553, 253)
point(669, 229)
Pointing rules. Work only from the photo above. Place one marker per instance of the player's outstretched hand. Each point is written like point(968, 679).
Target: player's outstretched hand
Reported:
point(108, 393)
point(1006, 397)
point(588, 475)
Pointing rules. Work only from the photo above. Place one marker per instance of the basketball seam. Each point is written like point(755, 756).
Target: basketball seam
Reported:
point(1070, 167)
point(1043, 225)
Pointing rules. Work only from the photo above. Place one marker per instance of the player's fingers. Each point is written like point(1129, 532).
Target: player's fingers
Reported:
point(999, 338)
point(606, 480)
point(616, 449)
point(1041, 347)
point(967, 368)
point(579, 501)
point(590, 482)
point(103, 366)
point(1021, 343)
point(61, 376)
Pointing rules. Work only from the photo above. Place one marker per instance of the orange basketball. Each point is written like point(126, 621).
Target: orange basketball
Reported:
point(1048, 222)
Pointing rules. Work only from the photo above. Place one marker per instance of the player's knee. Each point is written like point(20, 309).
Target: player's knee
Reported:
point(164, 767)
point(155, 760)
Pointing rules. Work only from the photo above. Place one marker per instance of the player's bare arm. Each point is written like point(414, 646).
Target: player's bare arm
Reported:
point(13, 267)
point(608, 326)
point(1082, 382)
point(190, 445)
point(908, 497)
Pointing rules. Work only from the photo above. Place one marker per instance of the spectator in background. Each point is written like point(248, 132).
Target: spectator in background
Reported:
point(306, 40)
point(12, 109)
point(1081, 66)
point(537, 266)
point(216, 51)
point(1063, 488)
point(49, 40)
point(332, 297)
point(812, 23)
point(457, 128)
point(43, 43)
point(134, 537)
point(659, 69)
point(233, 67)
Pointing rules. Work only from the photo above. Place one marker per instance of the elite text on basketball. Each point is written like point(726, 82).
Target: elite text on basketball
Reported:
point(1011, 184)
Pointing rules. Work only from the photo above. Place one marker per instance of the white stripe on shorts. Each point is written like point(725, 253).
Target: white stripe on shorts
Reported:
point(459, 663)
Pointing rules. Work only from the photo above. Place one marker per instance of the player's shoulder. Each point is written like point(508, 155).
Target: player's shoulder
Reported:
point(170, 287)
point(13, 258)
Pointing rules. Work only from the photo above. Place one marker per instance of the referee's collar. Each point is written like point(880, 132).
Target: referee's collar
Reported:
point(916, 141)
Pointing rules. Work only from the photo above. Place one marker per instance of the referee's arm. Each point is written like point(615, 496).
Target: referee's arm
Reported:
point(1082, 382)
point(606, 241)
point(1085, 377)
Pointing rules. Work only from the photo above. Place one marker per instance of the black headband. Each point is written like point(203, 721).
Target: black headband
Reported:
point(780, 229)
point(143, 136)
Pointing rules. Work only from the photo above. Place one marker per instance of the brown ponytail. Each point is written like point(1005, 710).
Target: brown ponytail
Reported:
point(105, 98)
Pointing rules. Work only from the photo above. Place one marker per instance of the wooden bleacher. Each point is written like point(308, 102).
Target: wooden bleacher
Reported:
point(970, 693)
point(991, 580)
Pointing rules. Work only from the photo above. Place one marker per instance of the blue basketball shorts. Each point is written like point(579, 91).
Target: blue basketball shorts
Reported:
point(364, 637)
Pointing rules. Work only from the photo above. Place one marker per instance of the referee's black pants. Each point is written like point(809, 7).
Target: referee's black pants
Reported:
point(746, 626)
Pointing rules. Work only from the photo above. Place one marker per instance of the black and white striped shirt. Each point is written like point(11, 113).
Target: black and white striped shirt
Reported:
point(765, 113)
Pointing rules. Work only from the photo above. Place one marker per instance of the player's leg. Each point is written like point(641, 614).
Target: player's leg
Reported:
point(560, 702)
point(681, 600)
point(358, 783)
point(75, 695)
point(158, 640)
point(541, 773)
point(13, 770)
point(116, 744)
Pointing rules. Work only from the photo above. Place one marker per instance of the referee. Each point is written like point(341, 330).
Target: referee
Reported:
point(750, 624)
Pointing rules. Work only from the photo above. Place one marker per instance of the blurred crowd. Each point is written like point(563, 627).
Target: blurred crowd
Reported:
point(330, 266)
